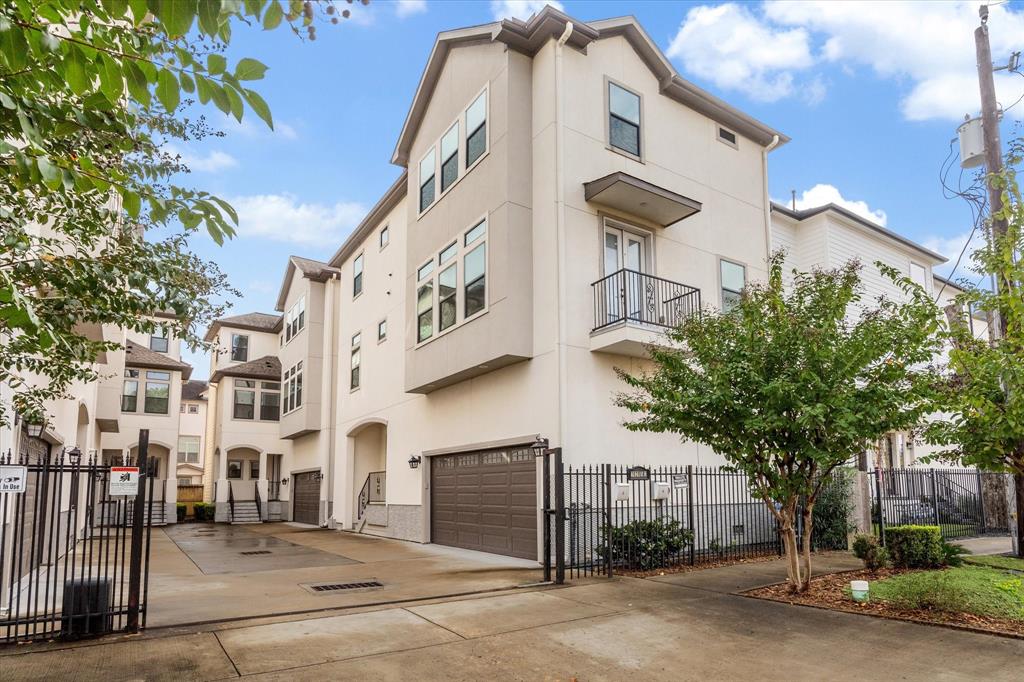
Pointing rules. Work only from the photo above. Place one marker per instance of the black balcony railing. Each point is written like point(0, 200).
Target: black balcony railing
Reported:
point(631, 296)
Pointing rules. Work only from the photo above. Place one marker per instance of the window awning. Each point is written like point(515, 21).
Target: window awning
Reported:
point(632, 195)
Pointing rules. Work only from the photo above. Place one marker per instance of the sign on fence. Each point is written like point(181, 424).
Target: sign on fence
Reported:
point(638, 474)
point(680, 481)
point(124, 481)
point(13, 479)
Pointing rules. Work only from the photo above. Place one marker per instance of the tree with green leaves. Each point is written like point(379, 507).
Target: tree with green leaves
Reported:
point(790, 383)
point(94, 229)
point(983, 394)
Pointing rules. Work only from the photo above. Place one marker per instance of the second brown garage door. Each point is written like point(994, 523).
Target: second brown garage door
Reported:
point(485, 501)
point(306, 498)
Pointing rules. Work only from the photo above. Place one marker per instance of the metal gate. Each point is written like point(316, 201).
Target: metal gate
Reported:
point(74, 560)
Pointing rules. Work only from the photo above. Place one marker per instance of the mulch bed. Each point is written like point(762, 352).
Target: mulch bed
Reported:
point(686, 568)
point(827, 591)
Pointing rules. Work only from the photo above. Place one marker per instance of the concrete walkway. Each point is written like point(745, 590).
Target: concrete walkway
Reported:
point(683, 627)
point(994, 544)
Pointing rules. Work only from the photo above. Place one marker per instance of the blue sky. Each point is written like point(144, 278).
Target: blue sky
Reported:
point(870, 93)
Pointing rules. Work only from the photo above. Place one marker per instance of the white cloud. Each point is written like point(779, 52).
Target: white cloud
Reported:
point(736, 50)
point(520, 9)
point(210, 162)
point(407, 8)
point(928, 46)
point(950, 247)
point(284, 218)
point(251, 127)
point(822, 194)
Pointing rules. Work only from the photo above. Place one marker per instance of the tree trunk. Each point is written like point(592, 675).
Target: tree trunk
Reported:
point(1018, 488)
point(805, 550)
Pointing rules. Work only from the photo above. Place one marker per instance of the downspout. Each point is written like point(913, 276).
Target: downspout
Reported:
point(327, 402)
point(767, 202)
point(563, 397)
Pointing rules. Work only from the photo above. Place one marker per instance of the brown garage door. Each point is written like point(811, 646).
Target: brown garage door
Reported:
point(306, 498)
point(485, 501)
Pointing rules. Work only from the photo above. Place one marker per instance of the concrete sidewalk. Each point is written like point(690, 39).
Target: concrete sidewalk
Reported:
point(682, 626)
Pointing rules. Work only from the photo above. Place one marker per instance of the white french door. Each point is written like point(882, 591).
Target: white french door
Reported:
point(625, 253)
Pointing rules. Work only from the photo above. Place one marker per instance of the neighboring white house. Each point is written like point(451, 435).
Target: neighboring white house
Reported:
point(191, 432)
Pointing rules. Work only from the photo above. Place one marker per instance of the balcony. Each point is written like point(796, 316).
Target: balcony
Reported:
point(633, 309)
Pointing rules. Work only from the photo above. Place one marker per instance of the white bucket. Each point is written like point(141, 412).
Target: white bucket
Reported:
point(859, 590)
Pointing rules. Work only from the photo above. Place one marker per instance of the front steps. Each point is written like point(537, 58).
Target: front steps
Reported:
point(246, 512)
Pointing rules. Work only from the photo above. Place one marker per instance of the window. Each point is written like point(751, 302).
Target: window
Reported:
point(158, 340)
point(188, 449)
point(448, 253)
point(184, 481)
point(354, 372)
point(476, 129)
point(453, 294)
point(425, 311)
point(385, 236)
point(239, 348)
point(234, 468)
point(447, 287)
point(450, 157)
point(727, 136)
point(270, 401)
point(193, 409)
point(919, 275)
point(245, 399)
point(130, 391)
point(623, 119)
point(158, 392)
point(293, 388)
point(357, 276)
point(427, 180)
point(382, 330)
point(734, 278)
point(475, 271)
point(295, 320)
point(254, 469)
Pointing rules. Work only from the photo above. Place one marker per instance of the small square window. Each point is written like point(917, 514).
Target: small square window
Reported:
point(727, 136)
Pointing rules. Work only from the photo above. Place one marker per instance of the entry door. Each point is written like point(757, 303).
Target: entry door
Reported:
point(626, 252)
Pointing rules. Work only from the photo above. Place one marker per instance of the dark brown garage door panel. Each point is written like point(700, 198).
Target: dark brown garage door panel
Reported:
point(485, 501)
point(306, 504)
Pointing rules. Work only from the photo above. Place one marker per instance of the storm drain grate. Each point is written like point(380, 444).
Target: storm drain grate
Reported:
point(331, 587)
point(258, 551)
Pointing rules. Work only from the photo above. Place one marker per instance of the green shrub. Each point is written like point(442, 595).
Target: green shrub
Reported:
point(181, 509)
point(915, 546)
point(952, 555)
point(867, 549)
point(832, 510)
point(643, 545)
point(203, 511)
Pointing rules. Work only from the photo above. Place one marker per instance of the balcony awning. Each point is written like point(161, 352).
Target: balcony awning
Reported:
point(632, 195)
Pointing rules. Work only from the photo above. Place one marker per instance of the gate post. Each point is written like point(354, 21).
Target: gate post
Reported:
point(935, 500)
point(135, 570)
point(981, 501)
point(559, 517)
point(546, 516)
point(689, 514)
point(881, 507)
point(607, 540)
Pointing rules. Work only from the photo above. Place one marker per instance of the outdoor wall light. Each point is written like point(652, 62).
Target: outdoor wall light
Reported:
point(539, 446)
point(318, 476)
point(35, 430)
point(74, 456)
point(414, 461)
point(284, 481)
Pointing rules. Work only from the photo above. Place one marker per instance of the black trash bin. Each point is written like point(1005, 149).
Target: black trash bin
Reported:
point(87, 608)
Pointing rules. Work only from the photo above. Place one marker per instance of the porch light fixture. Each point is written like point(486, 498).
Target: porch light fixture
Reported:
point(284, 481)
point(74, 456)
point(414, 461)
point(318, 476)
point(539, 446)
point(34, 429)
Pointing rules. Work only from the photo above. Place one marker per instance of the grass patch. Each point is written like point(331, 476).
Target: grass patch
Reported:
point(972, 589)
point(1006, 563)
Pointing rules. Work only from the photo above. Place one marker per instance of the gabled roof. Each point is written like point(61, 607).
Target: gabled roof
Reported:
point(140, 356)
point(318, 271)
point(268, 368)
point(804, 214)
point(529, 36)
point(193, 390)
point(257, 322)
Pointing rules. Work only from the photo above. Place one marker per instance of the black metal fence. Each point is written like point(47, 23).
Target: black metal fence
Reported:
point(636, 518)
point(639, 297)
point(73, 558)
point(962, 502)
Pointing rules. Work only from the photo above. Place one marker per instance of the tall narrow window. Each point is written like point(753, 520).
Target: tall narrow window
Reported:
point(158, 340)
point(734, 278)
point(354, 370)
point(385, 236)
point(158, 392)
point(270, 401)
point(245, 399)
point(623, 119)
point(427, 180)
point(357, 276)
point(476, 129)
point(474, 271)
point(239, 347)
point(447, 287)
point(425, 311)
point(450, 157)
point(130, 391)
point(382, 330)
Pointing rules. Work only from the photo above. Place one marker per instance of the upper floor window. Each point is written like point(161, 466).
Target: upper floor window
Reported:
point(158, 340)
point(354, 371)
point(293, 387)
point(130, 391)
point(623, 119)
point(476, 129)
point(239, 348)
point(357, 276)
point(425, 307)
point(475, 270)
point(188, 449)
point(450, 157)
point(427, 179)
point(244, 406)
point(453, 293)
point(382, 330)
point(158, 392)
point(385, 236)
point(193, 409)
point(295, 320)
point(270, 401)
point(727, 136)
point(734, 278)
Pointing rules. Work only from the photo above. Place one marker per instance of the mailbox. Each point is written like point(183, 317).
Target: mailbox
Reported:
point(621, 492)
point(660, 490)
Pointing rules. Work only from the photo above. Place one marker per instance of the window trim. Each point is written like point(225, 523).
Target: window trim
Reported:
point(384, 237)
point(167, 341)
point(721, 287)
point(235, 335)
point(199, 450)
point(235, 389)
point(289, 378)
point(292, 317)
point(155, 381)
point(487, 128)
point(420, 183)
point(380, 338)
point(735, 144)
point(357, 277)
point(608, 82)
point(193, 408)
point(355, 373)
point(241, 470)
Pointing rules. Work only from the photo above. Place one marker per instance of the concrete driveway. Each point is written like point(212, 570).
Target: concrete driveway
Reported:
point(682, 627)
point(204, 572)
